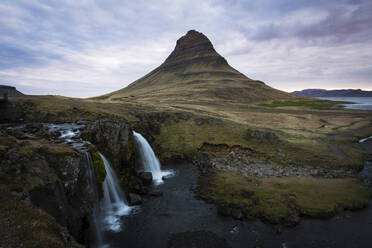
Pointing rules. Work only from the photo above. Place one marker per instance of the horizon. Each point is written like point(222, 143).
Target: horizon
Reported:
point(91, 48)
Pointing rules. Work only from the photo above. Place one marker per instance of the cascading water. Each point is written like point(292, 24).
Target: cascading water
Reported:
point(113, 204)
point(108, 211)
point(149, 160)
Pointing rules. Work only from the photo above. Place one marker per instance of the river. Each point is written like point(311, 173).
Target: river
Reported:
point(177, 218)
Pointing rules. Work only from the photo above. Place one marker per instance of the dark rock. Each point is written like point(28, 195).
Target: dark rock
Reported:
point(61, 190)
point(293, 220)
point(114, 138)
point(156, 193)
point(236, 213)
point(137, 187)
point(134, 199)
point(263, 135)
point(146, 177)
point(224, 210)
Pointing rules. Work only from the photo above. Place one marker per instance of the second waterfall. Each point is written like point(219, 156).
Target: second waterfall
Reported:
point(149, 160)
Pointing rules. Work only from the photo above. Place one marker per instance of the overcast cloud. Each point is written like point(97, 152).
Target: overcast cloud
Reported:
point(86, 48)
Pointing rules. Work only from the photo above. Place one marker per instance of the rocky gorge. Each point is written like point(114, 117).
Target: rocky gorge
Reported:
point(44, 170)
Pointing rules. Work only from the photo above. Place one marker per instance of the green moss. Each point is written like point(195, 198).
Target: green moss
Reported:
point(99, 168)
point(86, 137)
point(307, 103)
point(26, 151)
point(184, 138)
point(278, 199)
point(60, 150)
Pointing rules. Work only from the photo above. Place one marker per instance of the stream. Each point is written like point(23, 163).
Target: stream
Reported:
point(177, 219)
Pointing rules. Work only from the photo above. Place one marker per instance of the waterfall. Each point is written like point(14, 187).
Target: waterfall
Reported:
point(95, 213)
point(106, 213)
point(113, 204)
point(149, 160)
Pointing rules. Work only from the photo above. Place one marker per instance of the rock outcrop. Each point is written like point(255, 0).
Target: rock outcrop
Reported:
point(10, 91)
point(48, 176)
point(114, 138)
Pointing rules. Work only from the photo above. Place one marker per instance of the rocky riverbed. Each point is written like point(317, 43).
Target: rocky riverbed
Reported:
point(244, 165)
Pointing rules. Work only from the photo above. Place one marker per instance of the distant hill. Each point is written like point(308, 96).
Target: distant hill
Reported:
point(334, 93)
point(10, 90)
point(195, 72)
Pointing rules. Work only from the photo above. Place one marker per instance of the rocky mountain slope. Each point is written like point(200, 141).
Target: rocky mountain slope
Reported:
point(195, 72)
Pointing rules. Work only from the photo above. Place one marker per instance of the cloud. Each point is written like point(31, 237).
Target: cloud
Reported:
point(85, 48)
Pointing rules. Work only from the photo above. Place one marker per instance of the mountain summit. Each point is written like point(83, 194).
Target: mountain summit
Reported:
point(192, 47)
point(195, 72)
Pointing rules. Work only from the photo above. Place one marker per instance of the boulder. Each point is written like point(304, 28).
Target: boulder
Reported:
point(224, 210)
point(134, 199)
point(237, 214)
point(156, 193)
point(263, 135)
point(146, 177)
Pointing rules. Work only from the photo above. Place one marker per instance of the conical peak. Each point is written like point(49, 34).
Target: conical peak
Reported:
point(193, 46)
point(191, 39)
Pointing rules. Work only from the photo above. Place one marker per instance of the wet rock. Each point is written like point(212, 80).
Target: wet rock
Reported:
point(156, 193)
point(293, 220)
point(224, 210)
point(146, 177)
point(236, 213)
point(114, 138)
point(134, 199)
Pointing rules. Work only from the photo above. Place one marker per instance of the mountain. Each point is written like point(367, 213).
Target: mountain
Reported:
point(195, 72)
point(334, 93)
point(10, 90)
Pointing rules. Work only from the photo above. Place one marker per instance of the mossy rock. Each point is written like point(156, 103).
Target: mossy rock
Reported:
point(25, 226)
point(99, 168)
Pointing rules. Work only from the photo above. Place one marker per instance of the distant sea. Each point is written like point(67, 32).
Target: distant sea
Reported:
point(363, 103)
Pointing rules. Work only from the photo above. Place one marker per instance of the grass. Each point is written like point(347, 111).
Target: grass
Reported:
point(183, 139)
point(277, 200)
point(306, 103)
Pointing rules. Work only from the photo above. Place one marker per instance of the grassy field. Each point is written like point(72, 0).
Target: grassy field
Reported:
point(281, 200)
point(308, 135)
point(318, 134)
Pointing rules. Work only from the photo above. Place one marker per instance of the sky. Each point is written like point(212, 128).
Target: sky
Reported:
point(87, 48)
